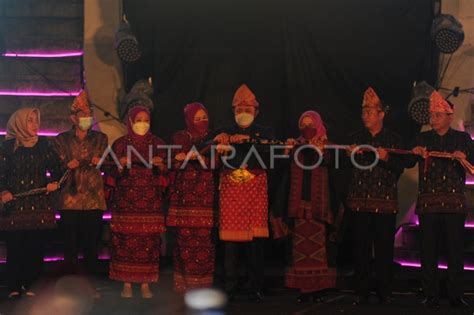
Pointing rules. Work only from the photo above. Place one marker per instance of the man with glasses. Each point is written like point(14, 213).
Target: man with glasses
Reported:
point(441, 204)
point(373, 198)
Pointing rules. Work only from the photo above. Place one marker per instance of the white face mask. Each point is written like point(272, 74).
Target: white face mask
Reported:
point(244, 119)
point(85, 123)
point(141, 128)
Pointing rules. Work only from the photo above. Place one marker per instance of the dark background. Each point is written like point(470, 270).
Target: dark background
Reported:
point(295, 55)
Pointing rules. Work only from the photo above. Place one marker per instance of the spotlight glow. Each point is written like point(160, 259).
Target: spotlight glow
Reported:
point(44, 54)
point(38, 93)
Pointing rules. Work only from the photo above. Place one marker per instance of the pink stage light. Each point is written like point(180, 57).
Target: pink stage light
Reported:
point(106, 216)
point(61, 258)
point(41, 133)
point(468, 225)
point(414, 264)
point(38, 93)
point(44, 54)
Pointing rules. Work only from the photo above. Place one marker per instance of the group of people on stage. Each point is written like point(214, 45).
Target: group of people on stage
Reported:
point(232, 198)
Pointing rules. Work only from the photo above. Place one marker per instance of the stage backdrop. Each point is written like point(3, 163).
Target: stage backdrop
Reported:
point(295, 55)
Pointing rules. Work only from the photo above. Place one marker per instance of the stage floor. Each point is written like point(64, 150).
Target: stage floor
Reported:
point(278, 300)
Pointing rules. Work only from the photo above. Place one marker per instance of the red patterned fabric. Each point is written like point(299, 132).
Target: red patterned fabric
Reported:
point(193, 259)
point(318, 207)
point(243, 208)
point(439, 105)
point(192, 192)
point(81, 104)
point(135, 257)
point(371, 99)
point(244, 97)
point(137, 217)
point(309, 271)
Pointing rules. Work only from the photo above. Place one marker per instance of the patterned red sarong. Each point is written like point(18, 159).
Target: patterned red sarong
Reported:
point(191, 212)
point(193, 259)
point(243, 208)
point(136, 257)
point(309, 270)
point(137, 217)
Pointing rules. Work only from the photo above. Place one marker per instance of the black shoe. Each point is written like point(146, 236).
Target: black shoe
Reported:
point(361, 300)
point(458, 302)
point(255, 297)
point(431, 302)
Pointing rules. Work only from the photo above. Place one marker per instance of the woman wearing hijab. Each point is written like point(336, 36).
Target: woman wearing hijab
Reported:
point(137, 217)
point(191, 204)
point(25, 159)
point(308, 212)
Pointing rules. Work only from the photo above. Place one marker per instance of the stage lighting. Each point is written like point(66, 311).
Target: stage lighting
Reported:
point(127, 45)
point(419, 106)
point(447, 33)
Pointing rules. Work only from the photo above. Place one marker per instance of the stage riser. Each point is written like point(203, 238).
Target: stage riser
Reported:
point(44, 8)
point(50, 29)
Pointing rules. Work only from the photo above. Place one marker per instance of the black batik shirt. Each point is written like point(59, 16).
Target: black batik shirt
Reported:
point(375, 189)
point(441, 183)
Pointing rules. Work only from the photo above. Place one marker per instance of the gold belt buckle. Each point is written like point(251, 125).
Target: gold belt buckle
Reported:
point(241, 175)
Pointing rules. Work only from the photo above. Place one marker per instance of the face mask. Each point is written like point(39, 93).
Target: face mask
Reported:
point(202, 125)
point(141, 128)
point(308, 132)
point(244, 119)
point(85, 123)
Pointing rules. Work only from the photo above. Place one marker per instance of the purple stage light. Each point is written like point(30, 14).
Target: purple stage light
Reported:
point(415, 264)
point(468, 225)
point(41, 133)
point(106, 216)
point(44, 54)
point(60, 258)
point(38, 93)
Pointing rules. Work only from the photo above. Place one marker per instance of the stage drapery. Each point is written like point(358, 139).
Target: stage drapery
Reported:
point(295, 55)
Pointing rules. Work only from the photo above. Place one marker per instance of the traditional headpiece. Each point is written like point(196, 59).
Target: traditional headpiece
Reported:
point(371, 99)
point(244, 97)
point(439, 105)
point(81, 104)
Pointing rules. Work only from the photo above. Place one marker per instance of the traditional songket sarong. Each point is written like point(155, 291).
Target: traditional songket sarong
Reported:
point(243, 205)
point(308, 208)
point(191, 210)
point(243, 201)
point(243, 192)
point(137, 218)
